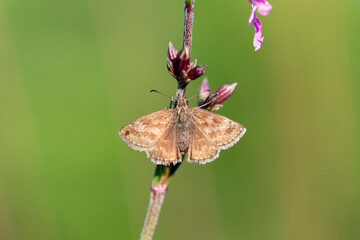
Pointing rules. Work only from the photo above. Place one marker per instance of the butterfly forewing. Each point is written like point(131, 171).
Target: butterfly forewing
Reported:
point(220, 131)
point(200, 150)
point(146, 131)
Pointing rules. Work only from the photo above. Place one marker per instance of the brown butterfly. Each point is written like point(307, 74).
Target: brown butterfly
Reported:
point(167, 135)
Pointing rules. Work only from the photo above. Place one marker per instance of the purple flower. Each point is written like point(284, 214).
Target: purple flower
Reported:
point(263, 7)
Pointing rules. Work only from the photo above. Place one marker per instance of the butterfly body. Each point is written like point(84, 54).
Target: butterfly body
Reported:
point(182, 129)
point(169, 134)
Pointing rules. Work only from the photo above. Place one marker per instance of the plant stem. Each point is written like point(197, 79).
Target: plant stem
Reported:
point(157, 195)
point(158, 190)
point(188, 23)
point(163, 173)
point(152, 216)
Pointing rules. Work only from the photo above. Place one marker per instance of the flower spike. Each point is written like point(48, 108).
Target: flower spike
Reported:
point(263, 7)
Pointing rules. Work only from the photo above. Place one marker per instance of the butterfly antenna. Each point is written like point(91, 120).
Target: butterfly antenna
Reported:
point(159, 93)
point(208, 90)
point(171, 98)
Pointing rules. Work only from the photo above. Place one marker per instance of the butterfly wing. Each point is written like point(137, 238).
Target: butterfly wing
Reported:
point(219, 131)
point(200, 149)
point(144, 132)
point(166, 150)
point(154, 134)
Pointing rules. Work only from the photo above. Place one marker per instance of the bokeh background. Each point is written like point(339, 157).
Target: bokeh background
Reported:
point(73, 72)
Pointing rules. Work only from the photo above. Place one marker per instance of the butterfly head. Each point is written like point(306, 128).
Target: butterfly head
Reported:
point(181, 100)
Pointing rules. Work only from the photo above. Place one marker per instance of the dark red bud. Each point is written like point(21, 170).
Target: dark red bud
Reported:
point(182, 61)
point(196, 72)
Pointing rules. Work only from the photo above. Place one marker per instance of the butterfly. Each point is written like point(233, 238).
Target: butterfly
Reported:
point(168, 135)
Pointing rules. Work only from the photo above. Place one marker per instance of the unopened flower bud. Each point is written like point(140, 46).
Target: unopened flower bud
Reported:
point(204, 91)
point(170, 67)
point(182, 61)
point(179, 66)
point(172, 52)
point(196, 72)
point(212, 101)
point(224, 92)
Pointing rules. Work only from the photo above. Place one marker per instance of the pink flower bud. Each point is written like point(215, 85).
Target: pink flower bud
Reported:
point(213, 100)
point(224, 92)
point(172, 52)
point(204, 91)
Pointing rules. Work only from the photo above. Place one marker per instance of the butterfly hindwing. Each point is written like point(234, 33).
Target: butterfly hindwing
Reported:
point(166, 151)
point(200, 150)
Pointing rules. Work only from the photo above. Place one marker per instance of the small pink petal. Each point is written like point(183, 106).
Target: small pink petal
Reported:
point(264, 8)
point(257, 24)
point(252, 14)
point(172, 52)
point(204, 91)
point(258, 39)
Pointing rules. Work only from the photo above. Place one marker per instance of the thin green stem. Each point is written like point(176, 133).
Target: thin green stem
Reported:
point(157, 195)
point(158, 191)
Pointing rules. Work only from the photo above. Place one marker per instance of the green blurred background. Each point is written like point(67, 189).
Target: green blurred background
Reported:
point(73, 72)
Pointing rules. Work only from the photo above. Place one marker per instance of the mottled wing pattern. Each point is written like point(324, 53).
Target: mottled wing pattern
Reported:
point(220, 131)
point(146, 131)
point(200, 150)
point(165, 150)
